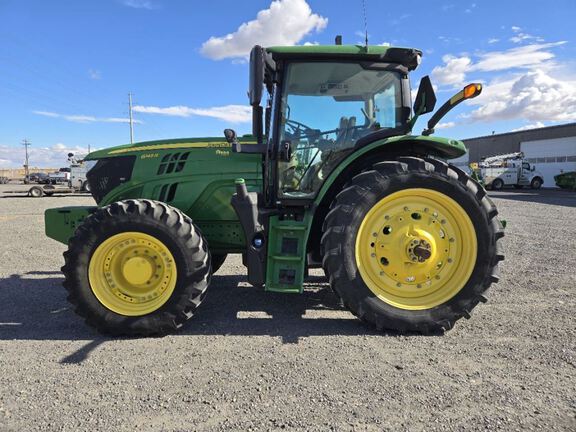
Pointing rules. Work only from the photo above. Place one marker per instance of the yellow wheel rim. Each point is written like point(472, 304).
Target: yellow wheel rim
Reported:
point(132, 273)
point(416, 249)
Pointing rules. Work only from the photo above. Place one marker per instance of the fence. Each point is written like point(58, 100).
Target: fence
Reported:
point(18, 173)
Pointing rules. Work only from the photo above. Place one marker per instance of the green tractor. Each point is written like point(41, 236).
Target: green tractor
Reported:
point(331, 177)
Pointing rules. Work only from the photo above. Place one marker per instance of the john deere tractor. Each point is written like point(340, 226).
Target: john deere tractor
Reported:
point(331, 176)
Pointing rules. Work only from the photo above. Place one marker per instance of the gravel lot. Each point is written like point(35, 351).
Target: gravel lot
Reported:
point(251, 360)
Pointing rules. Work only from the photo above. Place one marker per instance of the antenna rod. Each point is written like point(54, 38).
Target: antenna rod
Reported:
point(365, 22)
point(131, 121)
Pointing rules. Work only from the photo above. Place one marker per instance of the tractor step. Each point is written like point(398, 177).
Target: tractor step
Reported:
point(286, 249)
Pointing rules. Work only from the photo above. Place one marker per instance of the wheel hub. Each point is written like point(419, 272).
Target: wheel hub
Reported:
point(137, 270)
point(419, 250)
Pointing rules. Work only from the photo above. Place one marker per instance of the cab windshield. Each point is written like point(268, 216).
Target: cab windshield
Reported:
point(326, 107)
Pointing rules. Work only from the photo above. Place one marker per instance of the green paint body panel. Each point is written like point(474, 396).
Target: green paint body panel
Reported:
point(60, 223)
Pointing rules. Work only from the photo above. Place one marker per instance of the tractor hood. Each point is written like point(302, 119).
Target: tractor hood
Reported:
point(148, 147)
point(173, 171)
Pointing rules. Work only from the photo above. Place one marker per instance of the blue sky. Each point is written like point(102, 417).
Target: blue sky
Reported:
point(67, 65)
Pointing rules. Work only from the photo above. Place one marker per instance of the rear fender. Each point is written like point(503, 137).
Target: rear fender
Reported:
point(363, 158)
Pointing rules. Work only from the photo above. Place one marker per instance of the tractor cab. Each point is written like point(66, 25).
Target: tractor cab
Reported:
point(319, 106)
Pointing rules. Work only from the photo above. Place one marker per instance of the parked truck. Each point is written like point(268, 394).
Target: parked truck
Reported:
point(510, 170)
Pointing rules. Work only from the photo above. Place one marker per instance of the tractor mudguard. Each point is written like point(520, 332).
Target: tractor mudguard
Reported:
point(61, 222)
point(403, 144)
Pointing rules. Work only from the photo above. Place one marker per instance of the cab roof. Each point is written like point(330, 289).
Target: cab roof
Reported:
point(409, 57)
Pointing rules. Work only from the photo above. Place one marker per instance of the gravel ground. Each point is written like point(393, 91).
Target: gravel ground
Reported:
point(252, 360)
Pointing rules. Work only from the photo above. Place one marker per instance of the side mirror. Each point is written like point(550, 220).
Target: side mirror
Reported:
point(256, 75)
point(468, 92)
point(230, 135)
point(425, 98)
point(533, 168)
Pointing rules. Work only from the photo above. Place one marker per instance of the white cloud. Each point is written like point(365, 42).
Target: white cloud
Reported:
point(520, 36)
point(526, 56)
point(454, 70)
point(534, 96)
point(529, 126)
point(229, 113)
point(94, 74)
point(493, 40)
point(140, 4)
point(76, 118)
point(446, 125)
point(54, 156)
point(286, 22)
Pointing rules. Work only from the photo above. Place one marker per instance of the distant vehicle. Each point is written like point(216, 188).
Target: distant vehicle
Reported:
point(510, 170)
point(38, 177)
point(78, 169)
point(62, 176)
point(4, 180)
point(566, 180)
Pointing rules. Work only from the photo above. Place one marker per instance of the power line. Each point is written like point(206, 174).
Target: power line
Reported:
point(26, 144)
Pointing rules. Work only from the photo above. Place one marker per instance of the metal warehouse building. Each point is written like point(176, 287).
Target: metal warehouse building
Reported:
point(552, 149)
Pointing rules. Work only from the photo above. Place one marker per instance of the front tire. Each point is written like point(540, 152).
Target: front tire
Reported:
point(412, 245)
point(136, 268)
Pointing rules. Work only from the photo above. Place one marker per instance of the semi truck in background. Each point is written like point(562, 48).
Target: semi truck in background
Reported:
point(509, 170)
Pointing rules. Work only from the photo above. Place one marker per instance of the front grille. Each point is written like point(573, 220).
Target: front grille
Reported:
point(109, 173)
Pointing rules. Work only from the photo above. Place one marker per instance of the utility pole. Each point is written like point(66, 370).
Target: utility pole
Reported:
point(131, 121)
point(26, 144)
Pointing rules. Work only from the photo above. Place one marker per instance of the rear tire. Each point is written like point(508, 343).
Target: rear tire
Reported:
point(497, 185)
point(136, 267)
point(367, 286)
